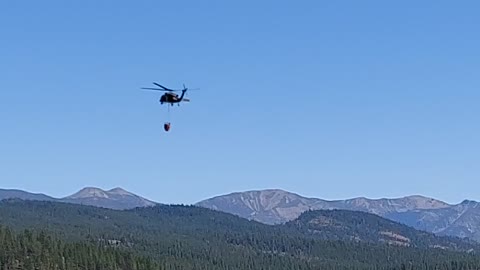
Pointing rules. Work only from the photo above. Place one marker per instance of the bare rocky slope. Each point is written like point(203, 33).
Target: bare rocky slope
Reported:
point(276, 206)
point(116, 198)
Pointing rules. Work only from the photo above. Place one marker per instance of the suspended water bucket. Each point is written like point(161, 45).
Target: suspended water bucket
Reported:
point(166, 126)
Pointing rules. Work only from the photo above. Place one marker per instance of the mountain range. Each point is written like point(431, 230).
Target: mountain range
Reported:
point(191, 237)
point(275, 206)
point(116, 198)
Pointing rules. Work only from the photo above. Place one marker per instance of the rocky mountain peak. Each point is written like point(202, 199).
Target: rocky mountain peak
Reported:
point(116, 198)
point(270, 206)
point(120, 191)
point(422, 202)
point(89, 192)
point(468, 203)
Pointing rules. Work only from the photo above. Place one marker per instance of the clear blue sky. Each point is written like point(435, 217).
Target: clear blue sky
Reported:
point(331, 99)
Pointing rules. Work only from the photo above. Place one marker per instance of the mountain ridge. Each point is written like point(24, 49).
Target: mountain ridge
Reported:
point(287, 205)
point(21, 194)
point(115, 198)
point(276, 206)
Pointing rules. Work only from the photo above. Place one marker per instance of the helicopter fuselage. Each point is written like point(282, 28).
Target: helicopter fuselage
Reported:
point(171, 98)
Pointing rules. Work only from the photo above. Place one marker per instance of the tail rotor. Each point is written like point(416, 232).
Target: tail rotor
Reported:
point(186, 99)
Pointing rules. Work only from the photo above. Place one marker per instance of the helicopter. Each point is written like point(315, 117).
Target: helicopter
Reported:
point(170, 97)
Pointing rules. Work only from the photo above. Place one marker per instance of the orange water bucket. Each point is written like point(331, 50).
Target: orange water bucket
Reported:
point(166, 126)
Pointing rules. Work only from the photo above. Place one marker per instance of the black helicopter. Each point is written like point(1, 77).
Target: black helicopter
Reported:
point(170, 97)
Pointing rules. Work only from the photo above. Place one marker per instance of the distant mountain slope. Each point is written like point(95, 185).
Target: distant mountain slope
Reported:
point(116, 198)
point(385, 206)
point(187, 237)
point(276, 206)
point(20, 194)
point(462, 220)
point(357, 226)
point(267, 206)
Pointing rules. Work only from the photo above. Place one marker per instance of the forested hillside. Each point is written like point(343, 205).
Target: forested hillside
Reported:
point(186, 237)
point(359, 226)
point(31, 250)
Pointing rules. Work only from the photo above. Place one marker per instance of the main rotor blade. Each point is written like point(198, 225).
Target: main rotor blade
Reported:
point(156, 89)
point(163, 87)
